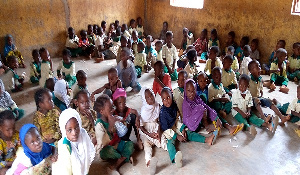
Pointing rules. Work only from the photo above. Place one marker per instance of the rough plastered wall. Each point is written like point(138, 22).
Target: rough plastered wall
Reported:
point(44, 23)
point(267, 20)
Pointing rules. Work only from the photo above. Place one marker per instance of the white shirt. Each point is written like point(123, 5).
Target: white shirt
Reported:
point(242, 103)
point(244, 66)
point(170, 54)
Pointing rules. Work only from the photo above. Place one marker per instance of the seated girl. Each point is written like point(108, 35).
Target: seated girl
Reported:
point(35, 67)
point(7, 103)
point(75, 149)
point(11, 50)
point(35, 156)
point(61, 96)
point(66, 68)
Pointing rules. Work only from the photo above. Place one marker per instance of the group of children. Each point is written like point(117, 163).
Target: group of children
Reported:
point(71, 127)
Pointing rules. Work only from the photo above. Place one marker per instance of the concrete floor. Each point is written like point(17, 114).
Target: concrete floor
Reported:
point(241, 154)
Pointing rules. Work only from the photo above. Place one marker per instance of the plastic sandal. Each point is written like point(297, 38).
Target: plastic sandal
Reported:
point(238, 129)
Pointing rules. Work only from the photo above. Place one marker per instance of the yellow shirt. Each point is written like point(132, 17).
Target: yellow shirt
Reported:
point(274, 66)
point(170, 54)
point(255, 87)
point(294, 62)
point(235, 64)
point(140, 60)
point(228, 78)
point(8, 148)
point(218, 63)
point(214, 93)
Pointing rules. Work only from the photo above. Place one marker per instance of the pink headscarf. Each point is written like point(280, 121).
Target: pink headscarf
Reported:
point(119, 92)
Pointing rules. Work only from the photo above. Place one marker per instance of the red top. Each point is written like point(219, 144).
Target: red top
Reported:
point(166, 81)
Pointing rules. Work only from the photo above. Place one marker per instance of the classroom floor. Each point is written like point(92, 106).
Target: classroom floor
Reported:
point(241, 154)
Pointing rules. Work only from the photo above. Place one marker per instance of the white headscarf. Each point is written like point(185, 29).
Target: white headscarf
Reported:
point(149, 113)
point(83, 151)
point(5, 98)
point(60, 91)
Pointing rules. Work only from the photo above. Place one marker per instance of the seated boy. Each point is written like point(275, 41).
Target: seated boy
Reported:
point(72, 42)
point(228, 75)
point(191, 67)
point(254, 48)
point(161, 79)
point(158, 48)
point(256, 90)
point(124, 41)
point(246, 60)
point(81, 83)
point(202, 86)
point(278, 72)
point(235, 63)
point(293, 72)
point(150, 52)
point(140, 61)
point(35, 67)
point(213, 60)
point(178, 93)
point(280, 44)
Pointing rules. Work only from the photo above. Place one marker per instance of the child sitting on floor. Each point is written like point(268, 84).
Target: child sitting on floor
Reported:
point(135, 41)
point(88, 116)
point(256, 89)
point(213, 40)
point(163, 32)
point(46, 66)
point(123, 41)
point(183, 60)
point(11, 79)
point(85, 45)
point(228, 75)
point(109, 145)
point(62, 98)
point(90, 34)
point(46, 117)
point(254, 50)
point(66, 68)
point(191, 67)
point(201, 45)
point(278, 72)
point(124, 30)
point(76, 151)
point(35, 67)
point(161, 79)
point(132, 26)
point(113, 83)
point(272, 58)
point(213, 60)
point(11, 50)
point(202, 87)
point(35, 156)
point(178, 92)
point(158, 49)
point(174, 130)
point(139, 27)
point(246, 60)
point(230, 42)
point(187, 39)
point(127, 72)
point(150, 128)
point(241, 108)
point(9, 140)
point(235, 63)
point(170, 55)
point(50, 83)
point(72, 42)
point(293, 72)
point(150, 52)
point(140, 61)
point(239, 50)
point(81, 82)
point(220, 101)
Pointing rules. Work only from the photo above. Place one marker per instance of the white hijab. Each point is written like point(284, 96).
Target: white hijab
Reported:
point(83, 151)
point(60, 91)
point(149, 113)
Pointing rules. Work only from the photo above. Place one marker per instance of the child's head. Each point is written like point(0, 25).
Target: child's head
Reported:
point(182, 77)
point(31, 139)
point(36, 56)
point(158, 45)
point(103, 25)
point(140, 47)
point(125, 53)
point(112, 76)
point(132, 23)
point(214, 34)
point(70, 124)
point(44, 54)
point(49, 84)
point(9, 39)
point(82, 100)
point(185, 32)
point(202, 80)
point(66, 56)
point(213, 52)
point(134, 35)
point(158, 68)
point(117, 23)
point(230, 50)
point(298, 91)
point(123, 41)
point(281, 54)
point(296, 49)
point(246, 50)
point(190, 90)
point(90, 29)
point(149, 39)
point(217, 75)
point(203, 34)
point(254, 68)
point(12, 62)
point(71, 32)
point(148, 96)
point(169, 37)
point(119, 99)
point(139, 21)
point(81, 78)
point(227, 62)
point(166, 97)
point(100, 31)
point(95, 28)
point(7, 124)
point(83, 34)
point(103, 105)
point(254, 44)
point(280, 44)
point(192, 56)
point(244, 82)
point(231, 37)
point(165, 25)
point(43, 99)
point(244, 41)
point(124, 27)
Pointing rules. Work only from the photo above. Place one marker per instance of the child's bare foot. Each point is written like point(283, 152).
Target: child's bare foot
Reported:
point(140, 144)
point(284, 119)
point(284, 89)
point(268, 118)
point(112, 171)
point(178, 159)
point(222, 113)
point(267, 83)
point(131, 160)
point(152, 165)
point(272, 87)
point(209, 140)
point(273, 125)
point(252, 130)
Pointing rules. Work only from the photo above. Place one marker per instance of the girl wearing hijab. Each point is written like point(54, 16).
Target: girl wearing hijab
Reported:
point(174, 130)
point(61, 99)
point(7, 103)
point(34, 157)
point(11, 50)
point(75, 149)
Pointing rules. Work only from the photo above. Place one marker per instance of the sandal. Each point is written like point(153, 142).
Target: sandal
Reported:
point(270, 117)
point(275, 124)
point(238, 129)
point(216, 134)
point(217, 128)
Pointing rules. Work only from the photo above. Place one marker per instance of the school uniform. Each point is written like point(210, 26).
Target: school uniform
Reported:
point(255, 87)
point(68, 71)
point(203, 93)
point(287, 109)
point(276, 77)
point(244, 66)
point(228, 80)
point(178, 95)
point(255, 55)
point(128, 75)
point(171, 55)
point(139, 63)
point(191, 70)
point(214, 42)
point(294, 64)
point(207, 69)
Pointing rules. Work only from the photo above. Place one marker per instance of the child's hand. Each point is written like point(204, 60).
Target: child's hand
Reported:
point(94, 141)
point(53, 158)
point(210, 128)
point(154, 135)
point(219, 123)
point(180, 138)
point(184, 134)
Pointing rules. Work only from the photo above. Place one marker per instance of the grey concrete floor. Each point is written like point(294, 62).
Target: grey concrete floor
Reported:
point(241, 154)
